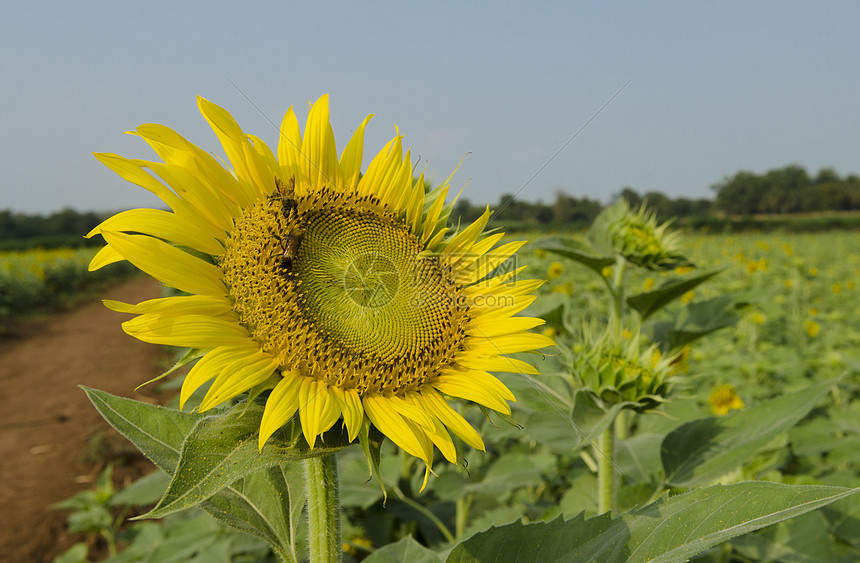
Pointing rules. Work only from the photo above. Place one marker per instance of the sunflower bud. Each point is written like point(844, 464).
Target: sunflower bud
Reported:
point(618, 373)
point(638, 237)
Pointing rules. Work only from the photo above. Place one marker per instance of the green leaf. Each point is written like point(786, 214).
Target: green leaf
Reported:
point(703, 450)
point(75, 554)
point(671, 529)
point(649, 302)
point(407, 549)
point(579, 251)
point(143, 492)
point(551, 308)
point(804, 538)
point(156, 431)
point(511, 471)
point(221, 449)
point(254, 504)
point(698, 319)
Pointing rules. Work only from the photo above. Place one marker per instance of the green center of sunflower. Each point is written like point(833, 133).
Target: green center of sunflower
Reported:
point(338, 289)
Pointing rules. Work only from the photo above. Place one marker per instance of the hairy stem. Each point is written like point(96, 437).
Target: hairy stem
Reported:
point(606, 471)
point(321, 485)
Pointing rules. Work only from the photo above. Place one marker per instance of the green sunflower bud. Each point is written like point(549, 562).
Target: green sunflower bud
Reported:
point(637, 236)
point(618, 373)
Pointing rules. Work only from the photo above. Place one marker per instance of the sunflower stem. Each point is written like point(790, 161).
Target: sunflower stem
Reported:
point(606, 471)
point(321, 487)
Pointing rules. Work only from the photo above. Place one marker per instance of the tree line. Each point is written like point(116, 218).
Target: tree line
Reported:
point(782, 191)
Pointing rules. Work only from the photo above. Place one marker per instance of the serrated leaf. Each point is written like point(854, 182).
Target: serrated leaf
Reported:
point(649, 302)
point(579, 251)
point(220, 450)
point(407, 549)
point(703, 450)
point(156, 431)
point(159, 433)
point(669, 530)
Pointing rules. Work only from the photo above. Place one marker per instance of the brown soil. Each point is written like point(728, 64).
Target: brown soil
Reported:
point(53, 443)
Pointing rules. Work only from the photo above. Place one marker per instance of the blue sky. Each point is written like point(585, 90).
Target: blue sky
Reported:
point(716, 87)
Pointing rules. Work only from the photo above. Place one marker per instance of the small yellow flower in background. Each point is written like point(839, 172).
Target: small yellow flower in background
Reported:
point(850, 285)
point(754, 266)
point(837, 288)
point(626, 334)
point(683, 270)
point(550, 332)
point(813, 271)
point(762, 264)
point(787, 249)
point(356, 546)
point(811, 327)
point(648, 284)
point(789, 284)
point(554, 271)
point(607, 272)
point(566, 288)
point(813, 311)
point(758, 318)
point(687, 297)
point(723, 399)
point(763, 245)
point(540, 253)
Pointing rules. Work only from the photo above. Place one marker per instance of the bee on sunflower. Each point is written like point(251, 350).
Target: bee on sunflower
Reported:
point(343, 295)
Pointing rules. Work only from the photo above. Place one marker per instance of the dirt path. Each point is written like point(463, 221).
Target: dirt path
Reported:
point(47, 447)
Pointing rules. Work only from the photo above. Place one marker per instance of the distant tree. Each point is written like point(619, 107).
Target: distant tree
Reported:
point(630, 195)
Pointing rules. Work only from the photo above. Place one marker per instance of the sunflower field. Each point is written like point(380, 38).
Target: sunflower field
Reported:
point(37, 278)
point(655, 395)
point(771, 391)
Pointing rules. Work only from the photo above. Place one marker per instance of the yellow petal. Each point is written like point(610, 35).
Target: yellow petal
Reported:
point(168, 264)
point(253, 175)
point(382, 168)
point(208, 367)
point(176, 306)
point(477, 386)
point(317, 410)
point(351, 157)
point(509, 344)
point(200, 203)
point(319, 163)
point(411, 411)
point(107, 255)
point(498, 327)
point(496, 363)
point(401, 431)
point(290, 145)
point(281, 405)
point(438, 407)
point(464, 239)
point(350, 405)
point(133, 173)
point(178, 152)
point(191, 331)
point(239, 376)
point(160, 224)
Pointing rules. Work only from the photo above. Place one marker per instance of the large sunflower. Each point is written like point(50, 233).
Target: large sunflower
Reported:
point(343, 294)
